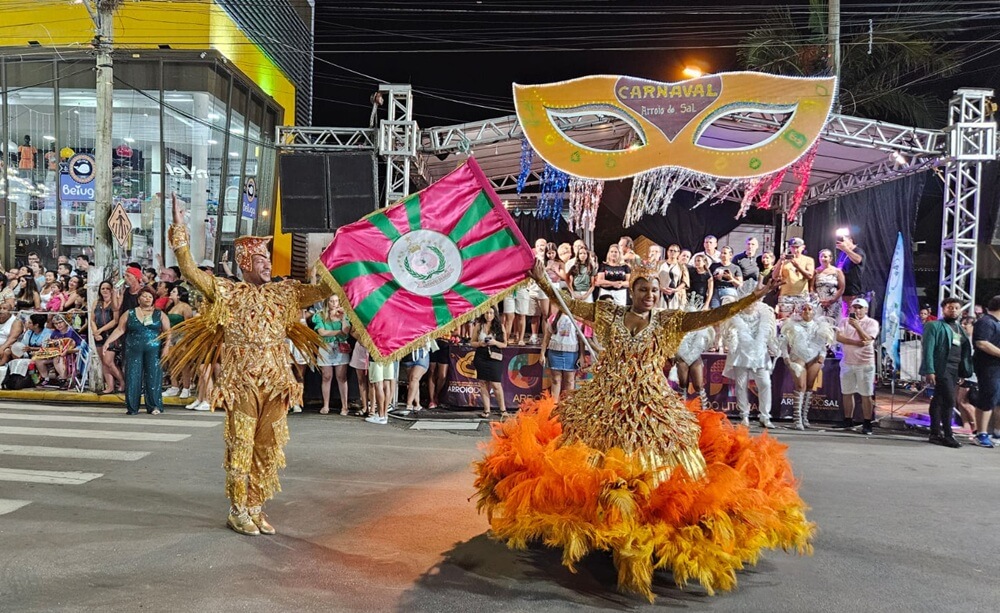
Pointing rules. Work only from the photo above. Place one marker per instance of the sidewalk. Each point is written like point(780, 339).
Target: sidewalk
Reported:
point(73, 397)
point(893, 411)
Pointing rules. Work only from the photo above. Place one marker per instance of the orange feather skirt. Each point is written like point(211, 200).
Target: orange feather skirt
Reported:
point(533, 487)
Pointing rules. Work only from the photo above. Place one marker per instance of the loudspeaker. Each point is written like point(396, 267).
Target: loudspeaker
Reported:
point(351, 192)
point(303, 182)
point(321, 192)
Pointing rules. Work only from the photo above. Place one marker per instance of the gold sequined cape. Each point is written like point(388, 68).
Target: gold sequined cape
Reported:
point(245, 328)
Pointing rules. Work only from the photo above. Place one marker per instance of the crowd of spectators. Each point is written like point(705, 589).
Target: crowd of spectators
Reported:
point(50, 327)
point(708, 278)
point(47, 323)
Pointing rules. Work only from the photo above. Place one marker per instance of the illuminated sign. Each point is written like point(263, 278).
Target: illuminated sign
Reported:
point(76, 181)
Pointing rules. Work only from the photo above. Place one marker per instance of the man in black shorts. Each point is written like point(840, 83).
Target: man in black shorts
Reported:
point(986, 360)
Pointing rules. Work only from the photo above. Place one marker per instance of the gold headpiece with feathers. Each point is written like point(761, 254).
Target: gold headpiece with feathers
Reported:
point(646, 270)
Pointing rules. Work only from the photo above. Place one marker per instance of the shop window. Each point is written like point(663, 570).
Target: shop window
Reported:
point(194, 138)
point(32, 159)
point(232, 222)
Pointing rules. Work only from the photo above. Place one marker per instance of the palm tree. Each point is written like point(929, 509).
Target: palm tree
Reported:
point(876, 79)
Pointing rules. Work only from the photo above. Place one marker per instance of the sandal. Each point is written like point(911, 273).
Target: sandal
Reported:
point(324, 411)
point(504, 415)
point(485, 414)
point(345, 412)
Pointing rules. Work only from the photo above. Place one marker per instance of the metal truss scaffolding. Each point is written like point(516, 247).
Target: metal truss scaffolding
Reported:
point(972, 139)
point(968, 141)
point(397, 141)
point(914, 149)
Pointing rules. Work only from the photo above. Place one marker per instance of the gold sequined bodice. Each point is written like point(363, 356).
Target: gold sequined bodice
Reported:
point(629, 403)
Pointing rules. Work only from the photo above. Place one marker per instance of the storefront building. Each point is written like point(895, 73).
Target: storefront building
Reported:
point(196, 104)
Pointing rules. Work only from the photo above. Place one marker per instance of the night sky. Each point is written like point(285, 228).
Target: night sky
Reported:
point(461, 56)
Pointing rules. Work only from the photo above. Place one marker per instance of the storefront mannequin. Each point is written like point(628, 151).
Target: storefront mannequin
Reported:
point(26, 157)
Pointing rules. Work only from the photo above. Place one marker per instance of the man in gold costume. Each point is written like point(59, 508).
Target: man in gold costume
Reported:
point(244, 326)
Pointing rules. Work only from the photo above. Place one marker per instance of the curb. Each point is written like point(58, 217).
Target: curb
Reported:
point(70, 397)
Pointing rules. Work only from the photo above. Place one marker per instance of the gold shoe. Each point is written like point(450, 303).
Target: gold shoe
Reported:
point(242, 524)
point(260, 520)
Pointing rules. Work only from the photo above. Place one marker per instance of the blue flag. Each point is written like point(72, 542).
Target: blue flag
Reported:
point(892, 311)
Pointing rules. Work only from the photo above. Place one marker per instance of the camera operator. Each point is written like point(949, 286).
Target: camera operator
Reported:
point(852, 264)
point(857, 334)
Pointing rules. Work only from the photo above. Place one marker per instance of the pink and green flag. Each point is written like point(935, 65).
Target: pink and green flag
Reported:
point(429, 262)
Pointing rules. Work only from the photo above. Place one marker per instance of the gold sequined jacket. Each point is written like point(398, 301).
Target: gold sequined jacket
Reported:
point(244, 327)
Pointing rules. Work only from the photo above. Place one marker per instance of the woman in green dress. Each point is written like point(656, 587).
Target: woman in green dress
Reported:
point(142, 328)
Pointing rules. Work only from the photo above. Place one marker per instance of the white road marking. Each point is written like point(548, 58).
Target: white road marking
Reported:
point(445, 425)
point(117, 435)
point(9, 506)
point(69, 452)
point(53, 477)
point(131, 421)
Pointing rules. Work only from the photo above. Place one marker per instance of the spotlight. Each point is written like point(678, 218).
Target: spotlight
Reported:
point(898, 158)
point(692, 72)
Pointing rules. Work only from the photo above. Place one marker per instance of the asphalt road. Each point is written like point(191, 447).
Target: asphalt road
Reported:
point(379, 518)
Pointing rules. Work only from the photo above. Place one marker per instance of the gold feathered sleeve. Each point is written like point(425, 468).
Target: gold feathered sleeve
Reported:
point(600, 315)
point(703, 319)
point(197, 340)
point(311, 293)
point(179, 240)
point(304, 338)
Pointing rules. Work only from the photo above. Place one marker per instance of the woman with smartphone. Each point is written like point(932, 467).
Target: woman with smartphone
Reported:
point(488, 340)
point(332, 324)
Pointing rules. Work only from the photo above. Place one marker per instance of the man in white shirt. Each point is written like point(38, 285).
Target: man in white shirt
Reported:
point(711, 252)
point(857, 335)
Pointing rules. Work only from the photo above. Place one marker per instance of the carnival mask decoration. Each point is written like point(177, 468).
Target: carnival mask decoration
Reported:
point(670, 120)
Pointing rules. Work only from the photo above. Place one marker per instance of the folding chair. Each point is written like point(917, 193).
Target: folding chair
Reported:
point(78, 368)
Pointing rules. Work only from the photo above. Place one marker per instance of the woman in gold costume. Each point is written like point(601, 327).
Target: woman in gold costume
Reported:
point(244, 326)
point(623, 465)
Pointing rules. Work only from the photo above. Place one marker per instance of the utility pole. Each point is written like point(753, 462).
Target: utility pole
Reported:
point(833, 63)
point(833, 37)
point(102, 13)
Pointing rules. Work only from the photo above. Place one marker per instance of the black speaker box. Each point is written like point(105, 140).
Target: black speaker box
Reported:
point(321, 192)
